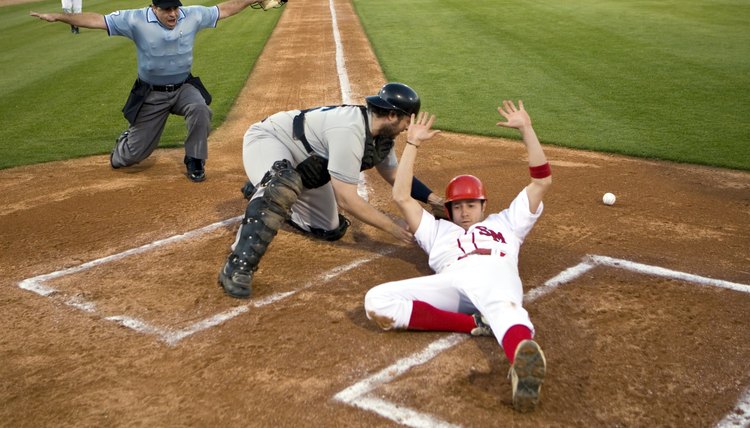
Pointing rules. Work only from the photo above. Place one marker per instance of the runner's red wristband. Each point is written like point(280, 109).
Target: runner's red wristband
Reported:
point(541, 171)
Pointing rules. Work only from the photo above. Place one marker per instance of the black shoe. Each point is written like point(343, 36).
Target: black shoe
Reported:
point(111, 162)
point(248, 190)
point(122, 136)
point(235, 281)
point(326, 235)
point(195, 169)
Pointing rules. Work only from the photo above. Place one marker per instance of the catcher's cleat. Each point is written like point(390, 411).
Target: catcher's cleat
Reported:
point(248, 190)
point(482, 328)
point(527, 375)
point(326, 235)
point(237, 282)
point(195, 169)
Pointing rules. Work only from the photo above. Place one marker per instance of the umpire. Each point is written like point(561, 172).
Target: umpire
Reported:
point(164, 36)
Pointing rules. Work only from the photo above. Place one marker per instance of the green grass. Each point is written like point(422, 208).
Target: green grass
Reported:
point(61, 94)
point(657, 79)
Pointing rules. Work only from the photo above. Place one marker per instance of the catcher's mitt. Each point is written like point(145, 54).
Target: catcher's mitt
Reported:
point(268, 4)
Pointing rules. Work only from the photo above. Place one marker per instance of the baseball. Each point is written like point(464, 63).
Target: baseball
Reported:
point(608, 199)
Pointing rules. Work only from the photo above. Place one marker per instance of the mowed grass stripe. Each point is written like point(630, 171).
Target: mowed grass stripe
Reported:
point(665, 80)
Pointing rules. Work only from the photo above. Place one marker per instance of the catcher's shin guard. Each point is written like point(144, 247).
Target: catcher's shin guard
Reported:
point(263, 217)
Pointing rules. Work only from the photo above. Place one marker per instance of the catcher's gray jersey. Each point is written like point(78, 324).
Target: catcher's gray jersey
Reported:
point(335, 133)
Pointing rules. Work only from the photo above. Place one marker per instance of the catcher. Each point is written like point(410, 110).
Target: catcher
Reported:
point(164, 35)
point(306, 165)
point(475, 259)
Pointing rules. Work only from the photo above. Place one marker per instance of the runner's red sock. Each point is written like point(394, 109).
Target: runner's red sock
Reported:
point(515, 335)
point(427, 317)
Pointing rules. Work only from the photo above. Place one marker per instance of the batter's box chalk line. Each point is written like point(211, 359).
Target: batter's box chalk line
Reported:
point(169, 335)
point(362, 394)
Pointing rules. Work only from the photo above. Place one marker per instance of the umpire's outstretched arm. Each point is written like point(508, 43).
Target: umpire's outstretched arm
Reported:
point(90, 20)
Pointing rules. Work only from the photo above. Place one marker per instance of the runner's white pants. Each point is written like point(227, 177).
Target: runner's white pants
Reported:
point(483, 284)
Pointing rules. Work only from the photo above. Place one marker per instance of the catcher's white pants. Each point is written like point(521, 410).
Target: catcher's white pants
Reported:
point(72, 6)
point(469, 285)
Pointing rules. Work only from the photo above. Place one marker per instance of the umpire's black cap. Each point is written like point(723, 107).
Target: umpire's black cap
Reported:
point(165, 4)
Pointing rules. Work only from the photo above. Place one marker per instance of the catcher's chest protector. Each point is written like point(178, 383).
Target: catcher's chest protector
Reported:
point(314, 169)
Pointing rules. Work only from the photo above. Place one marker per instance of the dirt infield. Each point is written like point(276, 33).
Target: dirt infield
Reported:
point(130, 328)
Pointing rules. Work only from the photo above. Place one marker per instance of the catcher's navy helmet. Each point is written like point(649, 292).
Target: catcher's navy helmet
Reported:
point(396, 96)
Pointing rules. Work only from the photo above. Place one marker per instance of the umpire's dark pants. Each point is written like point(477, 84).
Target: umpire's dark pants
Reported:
point(144, 134)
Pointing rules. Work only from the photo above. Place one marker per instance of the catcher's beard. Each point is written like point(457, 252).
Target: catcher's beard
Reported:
point(390, 130)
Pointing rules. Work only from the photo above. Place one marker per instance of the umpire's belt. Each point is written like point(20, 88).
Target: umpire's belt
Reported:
point(166, 88)
point(482, 252)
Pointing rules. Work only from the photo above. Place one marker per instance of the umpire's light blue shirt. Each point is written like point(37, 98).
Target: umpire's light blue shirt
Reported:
point(164, 56)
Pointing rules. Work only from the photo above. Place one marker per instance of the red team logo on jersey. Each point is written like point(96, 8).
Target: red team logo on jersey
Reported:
point(496, 236)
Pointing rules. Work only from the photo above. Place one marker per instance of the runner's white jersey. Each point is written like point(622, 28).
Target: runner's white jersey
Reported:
point(502, 233)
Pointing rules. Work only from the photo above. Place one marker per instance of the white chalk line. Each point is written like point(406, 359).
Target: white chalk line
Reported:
point(344, 85)
point(668, 273)
point(400, 414)
point(346, 90)
point(740, 417)
point(361, 394)
point(172, 336)
point(36, 284)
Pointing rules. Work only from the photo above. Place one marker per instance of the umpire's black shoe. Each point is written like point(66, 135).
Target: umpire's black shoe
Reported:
point(123, 136)
point(111, 161)
point(195, 169)
point(235, 281)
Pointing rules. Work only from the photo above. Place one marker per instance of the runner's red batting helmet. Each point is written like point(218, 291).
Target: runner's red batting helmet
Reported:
point(461, 188)
point(464, 187)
